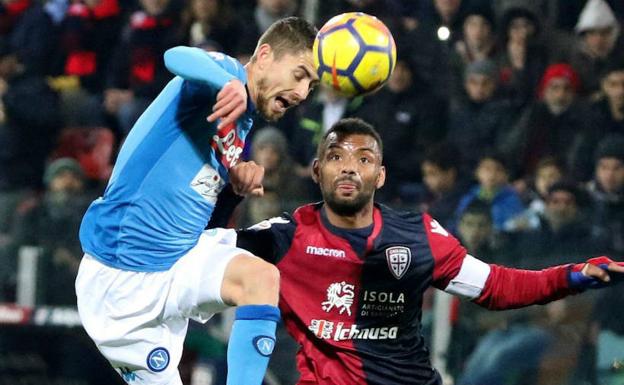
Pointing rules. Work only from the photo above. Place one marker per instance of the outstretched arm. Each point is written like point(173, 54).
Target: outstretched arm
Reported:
point(197, 65)
point(507, 288)
point(498, 287)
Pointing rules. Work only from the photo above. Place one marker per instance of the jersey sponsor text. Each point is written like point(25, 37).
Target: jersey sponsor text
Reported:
point(325, 329)
point(325, 252)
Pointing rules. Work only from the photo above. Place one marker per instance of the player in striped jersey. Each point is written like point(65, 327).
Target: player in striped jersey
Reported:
point(353, 272)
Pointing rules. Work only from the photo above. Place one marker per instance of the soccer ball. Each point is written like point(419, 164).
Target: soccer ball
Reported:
point(354, 53)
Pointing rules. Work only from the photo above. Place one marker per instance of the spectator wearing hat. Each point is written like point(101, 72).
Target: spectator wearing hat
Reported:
point(478, 121)
point(550, 126)
point(52, 223)
point(478, 42)
point(522, 57)
point(606, 192)
point(598, 43)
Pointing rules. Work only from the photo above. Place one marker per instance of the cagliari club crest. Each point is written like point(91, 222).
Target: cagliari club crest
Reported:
point(399, 259)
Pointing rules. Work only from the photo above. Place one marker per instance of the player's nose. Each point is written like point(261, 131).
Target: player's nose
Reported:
point(301, 91)
point(348, 167)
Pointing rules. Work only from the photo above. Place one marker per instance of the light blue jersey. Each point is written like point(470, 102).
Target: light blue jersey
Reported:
point(170, 169)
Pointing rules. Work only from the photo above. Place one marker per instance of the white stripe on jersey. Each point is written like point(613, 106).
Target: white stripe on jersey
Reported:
point(471, 278)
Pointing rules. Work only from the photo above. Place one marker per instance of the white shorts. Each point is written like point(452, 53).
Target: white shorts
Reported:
point(138, 320)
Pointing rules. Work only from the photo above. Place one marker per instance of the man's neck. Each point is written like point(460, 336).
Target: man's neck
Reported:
point(359, 220)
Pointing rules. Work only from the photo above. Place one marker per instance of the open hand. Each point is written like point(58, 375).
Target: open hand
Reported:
point(246, 179)
point(231, 103)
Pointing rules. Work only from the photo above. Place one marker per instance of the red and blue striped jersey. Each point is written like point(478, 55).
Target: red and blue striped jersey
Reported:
point(357, 317)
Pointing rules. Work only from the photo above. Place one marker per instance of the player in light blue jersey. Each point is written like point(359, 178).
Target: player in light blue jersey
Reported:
point(149, 265)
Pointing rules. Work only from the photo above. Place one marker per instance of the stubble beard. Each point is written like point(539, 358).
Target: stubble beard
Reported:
point(262, 103)
point(347, 208)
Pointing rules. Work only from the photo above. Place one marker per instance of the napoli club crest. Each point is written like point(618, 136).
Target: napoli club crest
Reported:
point(264, 345)
point(399, 259)
point(158, 359)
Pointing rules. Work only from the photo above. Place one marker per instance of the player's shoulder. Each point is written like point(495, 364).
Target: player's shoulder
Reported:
point(390, 215)
point(229, 63)
point(307, 212)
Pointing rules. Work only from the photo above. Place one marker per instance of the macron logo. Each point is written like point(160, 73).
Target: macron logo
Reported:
point(322, 251)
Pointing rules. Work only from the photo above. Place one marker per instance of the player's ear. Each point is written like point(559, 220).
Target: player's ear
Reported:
point(264, 55)
point(315, 170)
point(381, 178)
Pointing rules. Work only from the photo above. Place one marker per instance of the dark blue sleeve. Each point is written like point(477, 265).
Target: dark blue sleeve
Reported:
point(269, 239)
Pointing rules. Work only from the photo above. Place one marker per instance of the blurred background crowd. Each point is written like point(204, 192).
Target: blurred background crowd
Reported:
point(504, 119)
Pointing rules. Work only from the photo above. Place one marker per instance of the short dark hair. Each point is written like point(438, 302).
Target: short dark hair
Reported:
point(478, 207)
point(611, 146)
point(580, 197)
point(288, 35)
point(351, 126)
point(551, 161)
point(444, 155)
point(496, 157)
point(613, 65)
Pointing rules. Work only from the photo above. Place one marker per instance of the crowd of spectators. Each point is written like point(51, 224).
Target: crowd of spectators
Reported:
point(503, 118)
